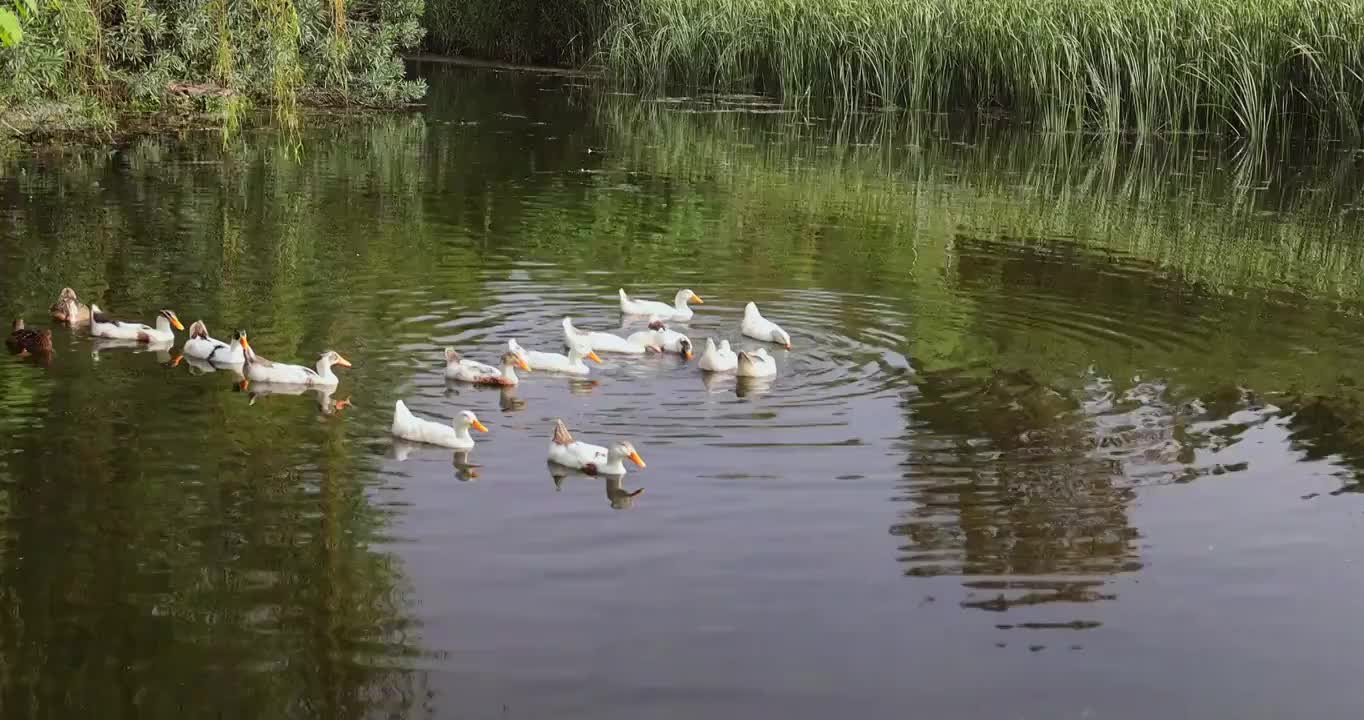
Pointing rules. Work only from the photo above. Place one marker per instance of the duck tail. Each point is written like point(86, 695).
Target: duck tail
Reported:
point(623, 297)
point(400, 411)
point(561, 434)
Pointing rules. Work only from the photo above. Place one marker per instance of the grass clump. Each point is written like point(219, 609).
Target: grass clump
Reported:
point(1148, 66)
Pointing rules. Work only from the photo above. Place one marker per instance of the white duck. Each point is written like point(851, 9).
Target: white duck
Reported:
point(677, 311)
point(760, 328)
point(592, 459)
point(260, 369)
point(456, 435)
point(472, 371)
point(672, 341)
point(756, 363)
point(572, 363)
point(200, 346)
point(103, 326)
point(721, 359)
point(636, 344)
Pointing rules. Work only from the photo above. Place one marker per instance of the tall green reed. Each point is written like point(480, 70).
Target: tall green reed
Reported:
point(1147, 66)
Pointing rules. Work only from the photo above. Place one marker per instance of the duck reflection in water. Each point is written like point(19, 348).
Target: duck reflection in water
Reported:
point(162, 349)
point(506, 397)
point(204, 367)
point(579, 386)
point(465, 471)
point(746, 386)
point(616, 495)
point(322, 394)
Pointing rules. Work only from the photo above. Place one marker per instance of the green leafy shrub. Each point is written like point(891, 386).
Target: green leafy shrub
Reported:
point(143, 55)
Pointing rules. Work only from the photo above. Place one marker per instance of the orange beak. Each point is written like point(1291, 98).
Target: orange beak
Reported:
point(175, 361)
point(697, 298)
point(479, 426)
point(175, 323)
point(342, 361)
point(788, 346)
point(244, 345)
point(636, 459)
point(592, 355)
point(521, 363)
point(687, 355)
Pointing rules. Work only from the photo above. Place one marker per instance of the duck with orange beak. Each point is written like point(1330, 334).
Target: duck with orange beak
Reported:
point(591, 459)
point(163, 334)
point(259, 369)
point(463, 369)
point(570, 364)
point(677, 311)
point(455, 435)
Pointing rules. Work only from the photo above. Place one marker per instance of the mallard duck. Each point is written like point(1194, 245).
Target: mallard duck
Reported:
point(410, 427)
point(260, 369)
point(572, 363)
point(472, 371)
point(721, 359)
point(22, 340)
point(592, 459)
point(760, 328)
point(200, 346)
point(756, 363)
point(677, 311)
point(68, 309)
point(636, 344)
point(106, 327)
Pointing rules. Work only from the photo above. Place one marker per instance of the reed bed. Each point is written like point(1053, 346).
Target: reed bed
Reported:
point(1252, 68)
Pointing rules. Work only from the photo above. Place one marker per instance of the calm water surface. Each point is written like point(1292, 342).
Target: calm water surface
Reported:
point(1069, 430)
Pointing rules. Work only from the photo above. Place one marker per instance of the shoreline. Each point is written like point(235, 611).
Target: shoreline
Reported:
point(469, 62)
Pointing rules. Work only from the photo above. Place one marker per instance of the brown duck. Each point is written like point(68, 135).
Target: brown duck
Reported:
point(25, 341)
point(70, 310)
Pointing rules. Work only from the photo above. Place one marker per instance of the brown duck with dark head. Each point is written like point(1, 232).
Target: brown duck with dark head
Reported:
point(25, 341)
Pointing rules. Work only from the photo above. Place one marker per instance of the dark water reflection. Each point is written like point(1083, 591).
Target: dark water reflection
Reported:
point(1070, 428)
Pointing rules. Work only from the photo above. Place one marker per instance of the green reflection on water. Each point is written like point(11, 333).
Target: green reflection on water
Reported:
point(150, 544)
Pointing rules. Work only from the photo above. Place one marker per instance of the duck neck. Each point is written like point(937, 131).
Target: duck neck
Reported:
point(163, 325)
point(615, 464)
point(462, 433)
point(509, 373)
point(324, 369)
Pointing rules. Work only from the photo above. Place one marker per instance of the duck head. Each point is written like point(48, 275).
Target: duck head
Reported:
point(466, 420)
point(685, 296)
point(330, 358)
point(623, 450)
point(171, 318)
point(511, 359)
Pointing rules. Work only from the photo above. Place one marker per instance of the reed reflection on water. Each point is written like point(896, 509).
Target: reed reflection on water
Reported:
point(1065, 362)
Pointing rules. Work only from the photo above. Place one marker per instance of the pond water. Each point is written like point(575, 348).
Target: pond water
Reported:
point(1069, 428)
